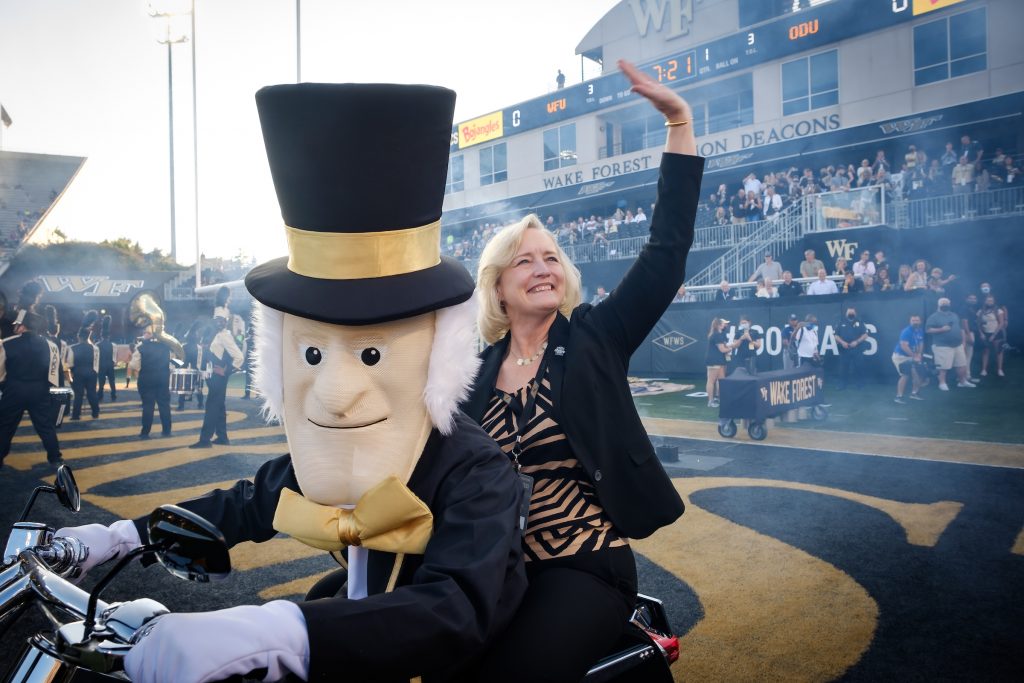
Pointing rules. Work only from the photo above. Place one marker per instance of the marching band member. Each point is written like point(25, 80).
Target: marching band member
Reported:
point(83, 361)
point(29, 366)
point(193, 359)
point(224, 358)
point(152, 362)
point(106, 349)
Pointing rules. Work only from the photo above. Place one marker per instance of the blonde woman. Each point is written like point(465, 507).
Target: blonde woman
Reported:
point(717, 357)
point(552, 391)
point(918, 278)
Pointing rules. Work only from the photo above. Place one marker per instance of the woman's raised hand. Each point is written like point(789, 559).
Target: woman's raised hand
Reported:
point(680, 138)
point(664, 99)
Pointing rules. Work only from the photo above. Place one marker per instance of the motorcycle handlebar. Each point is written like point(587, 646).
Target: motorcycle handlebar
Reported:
point(51, 587)
point(64, 556)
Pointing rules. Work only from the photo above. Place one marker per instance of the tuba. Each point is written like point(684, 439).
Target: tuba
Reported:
point(145, 312)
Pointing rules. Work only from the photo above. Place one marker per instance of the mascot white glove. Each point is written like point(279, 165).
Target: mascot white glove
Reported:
point(104, 542)
point(211, 646)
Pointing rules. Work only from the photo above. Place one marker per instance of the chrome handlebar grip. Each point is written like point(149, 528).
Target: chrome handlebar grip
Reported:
point(64, 556)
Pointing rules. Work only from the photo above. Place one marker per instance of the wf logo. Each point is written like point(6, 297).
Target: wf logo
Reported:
point(841, 248)
point(648, 12)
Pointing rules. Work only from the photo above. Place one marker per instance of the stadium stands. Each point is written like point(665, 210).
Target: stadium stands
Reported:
point(30, 184)
point(741, 231)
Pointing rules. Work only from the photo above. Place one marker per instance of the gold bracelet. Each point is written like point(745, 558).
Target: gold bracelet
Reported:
point(671, 124)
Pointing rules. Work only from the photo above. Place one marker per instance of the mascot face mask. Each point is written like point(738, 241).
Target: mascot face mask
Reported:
point(353, 402)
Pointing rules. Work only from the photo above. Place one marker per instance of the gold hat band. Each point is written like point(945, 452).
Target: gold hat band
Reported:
point(360, 255)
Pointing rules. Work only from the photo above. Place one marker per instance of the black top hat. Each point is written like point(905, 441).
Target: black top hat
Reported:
point(359, 171)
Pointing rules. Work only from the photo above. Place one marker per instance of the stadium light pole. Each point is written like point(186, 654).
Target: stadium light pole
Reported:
point(195, 145)
point(170, 40)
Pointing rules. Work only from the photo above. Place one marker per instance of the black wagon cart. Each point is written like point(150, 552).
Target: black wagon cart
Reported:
point(756, 397)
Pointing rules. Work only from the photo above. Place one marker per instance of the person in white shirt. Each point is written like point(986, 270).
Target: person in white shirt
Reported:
point(682, 296)
point(640, 216)
point(751, 184)
point(806, 338)
point(772, 202)
point(822, 285)
point(864, 266)
point(767, 291)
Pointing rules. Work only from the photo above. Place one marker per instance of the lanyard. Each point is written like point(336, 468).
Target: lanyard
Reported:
point(528, 408)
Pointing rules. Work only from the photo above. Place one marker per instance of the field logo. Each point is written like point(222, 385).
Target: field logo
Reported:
point(648, 12)
point(674, 341)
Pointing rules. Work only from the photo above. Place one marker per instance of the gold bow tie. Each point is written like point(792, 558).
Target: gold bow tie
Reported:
point(388, 517)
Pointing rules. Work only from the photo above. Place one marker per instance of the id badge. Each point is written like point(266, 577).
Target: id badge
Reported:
point(526, 481)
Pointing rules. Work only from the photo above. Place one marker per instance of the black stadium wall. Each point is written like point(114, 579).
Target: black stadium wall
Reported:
point(982, 250)
point(678, 343)
point(975, 251)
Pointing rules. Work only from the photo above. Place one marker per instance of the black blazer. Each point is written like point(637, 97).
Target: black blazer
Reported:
point(448, 603)
point(588, 360)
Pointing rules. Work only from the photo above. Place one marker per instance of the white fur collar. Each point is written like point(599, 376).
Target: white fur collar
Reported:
point(453, 362)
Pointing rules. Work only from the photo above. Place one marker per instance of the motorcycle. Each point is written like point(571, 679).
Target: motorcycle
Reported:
point(645, 651)
point(90, 638)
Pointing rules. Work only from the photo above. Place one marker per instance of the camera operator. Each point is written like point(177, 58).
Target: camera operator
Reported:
point(907, 359)
point(749, 342)
point(851, 335)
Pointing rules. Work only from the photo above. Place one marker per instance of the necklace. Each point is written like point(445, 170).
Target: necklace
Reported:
point(527, 361)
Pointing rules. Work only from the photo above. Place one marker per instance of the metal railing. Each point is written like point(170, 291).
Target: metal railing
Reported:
point(721, 236)
point(953, 208)
point(746, 291)
point(774, 235)
point(181, 287)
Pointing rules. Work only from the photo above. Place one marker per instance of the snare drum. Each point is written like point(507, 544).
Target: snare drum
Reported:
point(60, 400)
point(184, 381)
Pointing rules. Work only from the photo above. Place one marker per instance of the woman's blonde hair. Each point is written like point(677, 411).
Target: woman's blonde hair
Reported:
point(496, 257)
point(715, 322)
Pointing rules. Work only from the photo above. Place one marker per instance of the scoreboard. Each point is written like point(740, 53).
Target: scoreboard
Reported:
point(807, 29)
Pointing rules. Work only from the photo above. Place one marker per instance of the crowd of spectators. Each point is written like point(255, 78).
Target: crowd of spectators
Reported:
point(957, 169)
point(869, 273)
point(16, 223)
point(11, 239)
point(917, 173)
point(596, 230)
